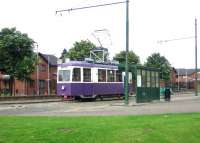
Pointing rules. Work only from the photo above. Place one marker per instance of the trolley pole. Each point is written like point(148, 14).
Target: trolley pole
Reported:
point(196, 82)
point(127, 50)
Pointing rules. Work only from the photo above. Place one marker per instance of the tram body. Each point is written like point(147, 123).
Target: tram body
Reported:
point(88, 80)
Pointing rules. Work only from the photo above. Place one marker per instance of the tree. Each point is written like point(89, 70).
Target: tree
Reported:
point(63, 55)
point(16, 54)
point(80, 50)
point(158, 61)
point(132, 57)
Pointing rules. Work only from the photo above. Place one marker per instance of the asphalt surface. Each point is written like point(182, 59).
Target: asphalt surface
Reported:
point(178, 104)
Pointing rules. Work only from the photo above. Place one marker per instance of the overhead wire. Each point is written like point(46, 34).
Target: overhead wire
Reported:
point(176, 39)
point(91, 6)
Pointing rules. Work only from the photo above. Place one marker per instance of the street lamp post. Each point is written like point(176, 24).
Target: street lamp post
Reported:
point(37, 72)
point(196, 82)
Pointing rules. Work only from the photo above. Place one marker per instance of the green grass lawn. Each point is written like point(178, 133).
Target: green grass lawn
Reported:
point(170, 128)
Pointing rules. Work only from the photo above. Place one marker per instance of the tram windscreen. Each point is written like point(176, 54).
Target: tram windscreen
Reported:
point(64, 75)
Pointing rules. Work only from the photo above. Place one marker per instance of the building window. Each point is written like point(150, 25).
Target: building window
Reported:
point(101, 75)
point(53, 86)
point(42, 68)
point(76, 74)
point(86, 75)
point(31, 83)
point(42, 86)
point(111, 75)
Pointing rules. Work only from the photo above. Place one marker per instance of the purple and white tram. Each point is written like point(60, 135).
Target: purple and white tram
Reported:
point(88, 80)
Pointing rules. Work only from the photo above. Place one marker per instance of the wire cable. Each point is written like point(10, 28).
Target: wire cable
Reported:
point(91, 6)
point(170, 40)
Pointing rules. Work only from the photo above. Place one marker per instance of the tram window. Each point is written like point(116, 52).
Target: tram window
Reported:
point(101, 75)
point(76, 74)
point(86, 75)
point(118, 76)
point(111, 75)
point(64, 75)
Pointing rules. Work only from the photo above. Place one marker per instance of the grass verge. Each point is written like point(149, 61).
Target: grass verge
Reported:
point(168, 128)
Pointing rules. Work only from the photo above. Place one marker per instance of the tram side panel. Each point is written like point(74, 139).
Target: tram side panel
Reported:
point(64, 89)
point(108, 88)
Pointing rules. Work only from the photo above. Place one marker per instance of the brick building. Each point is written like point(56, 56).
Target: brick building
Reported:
point(4, 82)
point(43, 79)
point(185, 78)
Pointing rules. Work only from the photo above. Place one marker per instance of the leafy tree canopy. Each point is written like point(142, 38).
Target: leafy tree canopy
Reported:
point(16, 53)
point(63, 54)
point(80, 50)
point(132, 57)
point(158, 61)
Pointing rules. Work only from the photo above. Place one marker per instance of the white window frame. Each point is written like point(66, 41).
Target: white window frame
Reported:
point(98, 75)
point(82, 74)
point(64, 68)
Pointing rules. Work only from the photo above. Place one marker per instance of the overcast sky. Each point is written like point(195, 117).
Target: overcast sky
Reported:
point(150, 21)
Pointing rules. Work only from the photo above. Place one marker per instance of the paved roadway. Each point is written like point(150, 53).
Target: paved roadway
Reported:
point(178, 104)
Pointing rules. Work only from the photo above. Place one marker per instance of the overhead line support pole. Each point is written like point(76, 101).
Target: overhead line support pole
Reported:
point(126, 90)
point(127, 51)
point(196, 82)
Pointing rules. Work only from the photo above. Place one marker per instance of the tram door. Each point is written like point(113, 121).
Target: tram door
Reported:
point(147, 85)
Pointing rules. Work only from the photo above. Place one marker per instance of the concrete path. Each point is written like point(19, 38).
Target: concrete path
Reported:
point(178, 104)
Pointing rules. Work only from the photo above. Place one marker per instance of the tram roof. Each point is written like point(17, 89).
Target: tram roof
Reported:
point(86, 64)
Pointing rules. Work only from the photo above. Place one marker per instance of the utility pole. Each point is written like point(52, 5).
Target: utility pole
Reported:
point(186, 80)
point(37, 72)
point(178, 81)
point(127, 50)
point(196, 69)
point(48, 76)
point(196, 82)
